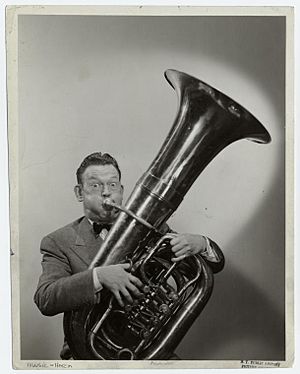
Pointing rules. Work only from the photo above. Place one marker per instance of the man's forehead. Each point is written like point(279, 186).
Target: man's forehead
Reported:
point(94, 171)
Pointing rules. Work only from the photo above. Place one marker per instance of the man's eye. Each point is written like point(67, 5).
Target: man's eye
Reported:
point(95, 185)
point(114, 186)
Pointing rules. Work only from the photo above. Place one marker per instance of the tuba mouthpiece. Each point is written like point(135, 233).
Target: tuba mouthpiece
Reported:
point(108, 204)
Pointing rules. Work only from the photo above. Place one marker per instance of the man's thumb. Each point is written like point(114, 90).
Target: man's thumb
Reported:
point(125, 266)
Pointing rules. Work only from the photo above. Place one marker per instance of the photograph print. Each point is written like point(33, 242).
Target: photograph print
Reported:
point(149, 213)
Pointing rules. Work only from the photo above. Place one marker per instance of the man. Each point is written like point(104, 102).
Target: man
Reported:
point(66, 283)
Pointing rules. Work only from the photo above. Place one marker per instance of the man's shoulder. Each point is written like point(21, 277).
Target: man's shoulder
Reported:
point(68, 231)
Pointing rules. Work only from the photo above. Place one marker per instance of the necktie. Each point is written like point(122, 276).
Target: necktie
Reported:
point(97, 227)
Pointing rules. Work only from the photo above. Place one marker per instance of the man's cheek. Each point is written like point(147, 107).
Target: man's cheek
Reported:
point(117, 198)
point(93, 201)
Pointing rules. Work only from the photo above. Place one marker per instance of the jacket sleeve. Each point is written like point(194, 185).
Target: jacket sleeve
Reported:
point(58, 289)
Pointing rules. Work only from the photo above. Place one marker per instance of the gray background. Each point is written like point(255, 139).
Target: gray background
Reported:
point(96, 83)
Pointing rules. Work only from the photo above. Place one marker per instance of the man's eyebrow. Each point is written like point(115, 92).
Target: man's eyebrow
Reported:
point(94, 178)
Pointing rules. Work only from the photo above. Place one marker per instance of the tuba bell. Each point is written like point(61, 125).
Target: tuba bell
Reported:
point(174, 293)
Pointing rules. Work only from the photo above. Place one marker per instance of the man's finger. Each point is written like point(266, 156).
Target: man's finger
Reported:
point(184, 251)
point(126, 265)
point(127, 295)
point(177, 259)
point(134, 290)
point(180, 246)
point(175, 240)
point(135, 281)
point(118, 297)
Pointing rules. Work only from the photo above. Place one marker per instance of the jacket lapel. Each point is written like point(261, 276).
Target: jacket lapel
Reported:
point(86, 244)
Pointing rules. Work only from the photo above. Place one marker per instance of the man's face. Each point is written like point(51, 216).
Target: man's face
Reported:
point(99, 182)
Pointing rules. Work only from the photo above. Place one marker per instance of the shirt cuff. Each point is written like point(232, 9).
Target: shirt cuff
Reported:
point(97, 287)
point(209, 253)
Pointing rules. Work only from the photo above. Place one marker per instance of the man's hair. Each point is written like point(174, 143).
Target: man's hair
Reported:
point(96, 158)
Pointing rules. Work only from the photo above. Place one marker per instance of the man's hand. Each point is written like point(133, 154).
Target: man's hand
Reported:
point(119, 282)
point(184, 245)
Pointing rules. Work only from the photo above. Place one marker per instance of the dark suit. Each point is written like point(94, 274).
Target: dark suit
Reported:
point(66, 282)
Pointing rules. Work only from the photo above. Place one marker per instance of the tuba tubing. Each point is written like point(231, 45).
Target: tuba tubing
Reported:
point(206, 122)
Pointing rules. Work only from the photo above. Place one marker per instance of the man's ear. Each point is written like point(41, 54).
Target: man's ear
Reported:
point(78, 192)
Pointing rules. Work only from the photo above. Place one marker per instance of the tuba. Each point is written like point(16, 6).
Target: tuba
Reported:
point(174, 293)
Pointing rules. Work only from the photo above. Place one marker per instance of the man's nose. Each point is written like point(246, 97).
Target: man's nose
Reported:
point(106, 190)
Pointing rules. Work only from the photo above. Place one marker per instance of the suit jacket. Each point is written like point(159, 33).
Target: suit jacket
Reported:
point(66, 283)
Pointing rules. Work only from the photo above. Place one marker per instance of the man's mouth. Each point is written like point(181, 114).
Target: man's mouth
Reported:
point(108, 204)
